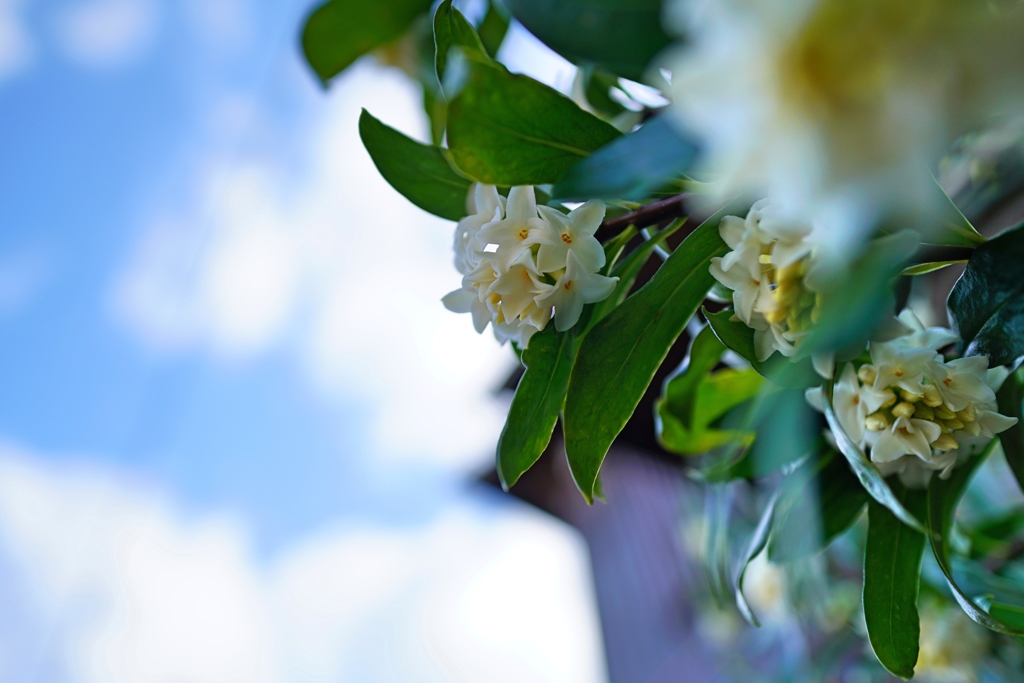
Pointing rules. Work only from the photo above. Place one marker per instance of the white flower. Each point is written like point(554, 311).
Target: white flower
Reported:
point(484, 206)
point(516, 288)
point(905, 437)
point(768, 269)
point(914, 413)
point(837, 108)
point(961, 382)
point(574, 288)
point(558, 234)
point(516, 266)
point(933, 338)
point(850, 404)
point(900, 365)
point(512, 233)
point(464, 300)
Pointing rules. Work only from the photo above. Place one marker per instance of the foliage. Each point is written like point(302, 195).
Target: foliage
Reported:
point(806, 307)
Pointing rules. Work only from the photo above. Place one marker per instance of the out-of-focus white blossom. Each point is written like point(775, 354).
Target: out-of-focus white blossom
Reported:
point(519, 261)
point(770, 272)
point(838, 109)
point(951, 645)
point(914, 412)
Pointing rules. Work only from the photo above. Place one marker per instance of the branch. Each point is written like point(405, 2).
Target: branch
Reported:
point(648, 215)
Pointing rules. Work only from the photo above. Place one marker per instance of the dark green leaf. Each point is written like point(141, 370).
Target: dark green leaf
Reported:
point(341, 31)
point(987, 303)
point(618, 358)
point(857, 303)
point(418, 172)
point(509, 129)
point(943, 498)
point(619, 35)
point(451, 29)
point(780, 370)
point(537, 402)
point(826, 492)
point(436, 110)
point(757, 542)
point(693, 399)
point(598, 85)
point(892, 577)
point(630, 167)
point(1009, 403)
point(493, 28)
point(870, 478)
point(627, 271)
point(951, 228)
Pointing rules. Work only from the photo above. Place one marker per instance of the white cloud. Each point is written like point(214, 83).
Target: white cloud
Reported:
point(107, 33)
point(481, 593)
point(16, 46)
point(331, 261)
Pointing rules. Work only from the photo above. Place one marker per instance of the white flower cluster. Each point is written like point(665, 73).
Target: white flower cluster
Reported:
point(770, 273)
point(519, 261)
point(837, 109)
point(915, 412)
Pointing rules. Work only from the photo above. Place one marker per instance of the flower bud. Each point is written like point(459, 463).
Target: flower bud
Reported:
point(944, 413)
point(867, 374)
point(968, 414)
point(923, 412)
point(945, 442)
point(953, 424)
point(903, 409)
point(910, 397)
point(932, 399)
point(972, 428)
point(890, 398)
point(876, 422)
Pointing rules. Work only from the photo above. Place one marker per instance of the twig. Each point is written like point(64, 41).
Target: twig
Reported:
point(648, 215)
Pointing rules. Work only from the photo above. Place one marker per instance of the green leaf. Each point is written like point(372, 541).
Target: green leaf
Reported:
point(943, 498)
point(340, 31)
point(925, 268)
point(951, 228)
point(627, 271)
point(694, 399)
point(825, 491)
point(621, 36)
point(537, 402)
point(507, 129)
point(778, 369)
point(451, 29)
point(892, 577)
point(419, 172)
point(987, 303)
point(598, 85)
point(493, 28)
point(758, 541)
point(857, 303)
point(618, 358)
point(630, 167)
point(870, 478)
point(1009, 404)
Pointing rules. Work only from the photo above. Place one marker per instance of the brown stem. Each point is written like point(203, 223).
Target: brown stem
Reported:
point(648, 215)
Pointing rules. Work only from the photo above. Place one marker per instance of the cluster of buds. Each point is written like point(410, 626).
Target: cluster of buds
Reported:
point(915, 412)
point(523, 264)
point(770, 273)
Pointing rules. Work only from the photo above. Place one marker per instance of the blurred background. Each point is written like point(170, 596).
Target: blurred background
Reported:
point(240, 437)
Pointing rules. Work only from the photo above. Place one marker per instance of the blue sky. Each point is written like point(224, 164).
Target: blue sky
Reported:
point(216, 318)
